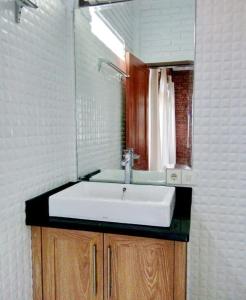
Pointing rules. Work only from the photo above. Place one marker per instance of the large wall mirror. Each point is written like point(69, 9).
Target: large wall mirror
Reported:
point(134, 84)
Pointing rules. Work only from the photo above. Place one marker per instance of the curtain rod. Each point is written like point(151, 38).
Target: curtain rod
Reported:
point(176, 68)
point(181, 63)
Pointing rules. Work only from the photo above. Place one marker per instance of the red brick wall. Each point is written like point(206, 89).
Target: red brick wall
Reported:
point(183, 83)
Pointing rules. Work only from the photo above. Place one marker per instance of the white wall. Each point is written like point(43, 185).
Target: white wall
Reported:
point(99, 98)
point(164, 30)
point(217, 260)
point(37, 138)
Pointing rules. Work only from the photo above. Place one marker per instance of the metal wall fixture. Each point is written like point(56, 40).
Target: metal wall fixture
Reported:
point(102, 61)
point(19, 4)
point(85, 3)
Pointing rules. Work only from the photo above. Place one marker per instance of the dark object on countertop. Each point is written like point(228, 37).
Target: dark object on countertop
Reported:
point(87, 177)
point(37, 214)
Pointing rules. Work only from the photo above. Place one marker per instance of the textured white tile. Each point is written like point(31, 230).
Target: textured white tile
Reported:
point(164, 30)
point(217, 260)
point(99, 97)
point(187, 177)
point(37, 130)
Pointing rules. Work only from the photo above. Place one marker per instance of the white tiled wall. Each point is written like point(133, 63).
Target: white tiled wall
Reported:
point(37, 138)
point(164, 30)
point(217, 251)
point(99, 98)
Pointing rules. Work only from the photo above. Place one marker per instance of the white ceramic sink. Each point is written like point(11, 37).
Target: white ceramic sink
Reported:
point(142, 205)
point(138, 177)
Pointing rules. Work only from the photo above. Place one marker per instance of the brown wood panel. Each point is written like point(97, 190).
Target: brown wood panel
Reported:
point(37, 263)
point(68, 264)
point(138, 268)
point(180, 271)
point(137, 109)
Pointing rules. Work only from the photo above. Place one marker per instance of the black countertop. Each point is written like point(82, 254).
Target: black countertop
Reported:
point(37, 214)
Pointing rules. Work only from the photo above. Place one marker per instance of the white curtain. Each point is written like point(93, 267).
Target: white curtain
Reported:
point(161, 121)
point(153, 127)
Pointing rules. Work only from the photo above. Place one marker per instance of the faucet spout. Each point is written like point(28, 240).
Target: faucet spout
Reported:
point(127, 162)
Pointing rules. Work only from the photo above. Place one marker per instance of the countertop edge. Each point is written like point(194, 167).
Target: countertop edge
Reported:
point(37, 214)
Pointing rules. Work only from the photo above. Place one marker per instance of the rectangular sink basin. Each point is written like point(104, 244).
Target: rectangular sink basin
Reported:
point(139, 204)
point(138, 177)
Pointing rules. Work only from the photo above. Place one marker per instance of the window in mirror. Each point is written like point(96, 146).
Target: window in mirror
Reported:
point(103, 31)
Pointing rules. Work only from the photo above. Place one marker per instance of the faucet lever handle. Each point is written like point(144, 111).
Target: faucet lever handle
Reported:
point(136, 156)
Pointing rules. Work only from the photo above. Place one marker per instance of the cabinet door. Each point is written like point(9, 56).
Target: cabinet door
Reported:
point(138, 268)
point(72, 265)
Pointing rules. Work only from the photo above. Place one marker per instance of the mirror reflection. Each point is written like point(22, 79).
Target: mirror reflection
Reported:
point(134, 85)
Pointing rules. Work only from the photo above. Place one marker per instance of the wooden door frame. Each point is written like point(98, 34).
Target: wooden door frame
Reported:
point(132, 124)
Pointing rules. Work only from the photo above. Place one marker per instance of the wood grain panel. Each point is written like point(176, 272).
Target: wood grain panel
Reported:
point(137, 109)
point(68, 264)
point(37, 263)
point(180, 271)
point(141, 268)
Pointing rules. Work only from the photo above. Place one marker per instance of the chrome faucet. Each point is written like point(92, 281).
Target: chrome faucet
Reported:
point(128, 162)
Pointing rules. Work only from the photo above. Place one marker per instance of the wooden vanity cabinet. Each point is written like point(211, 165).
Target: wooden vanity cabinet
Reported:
point(71, 264)
point(138, 268)
point(79, 265)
